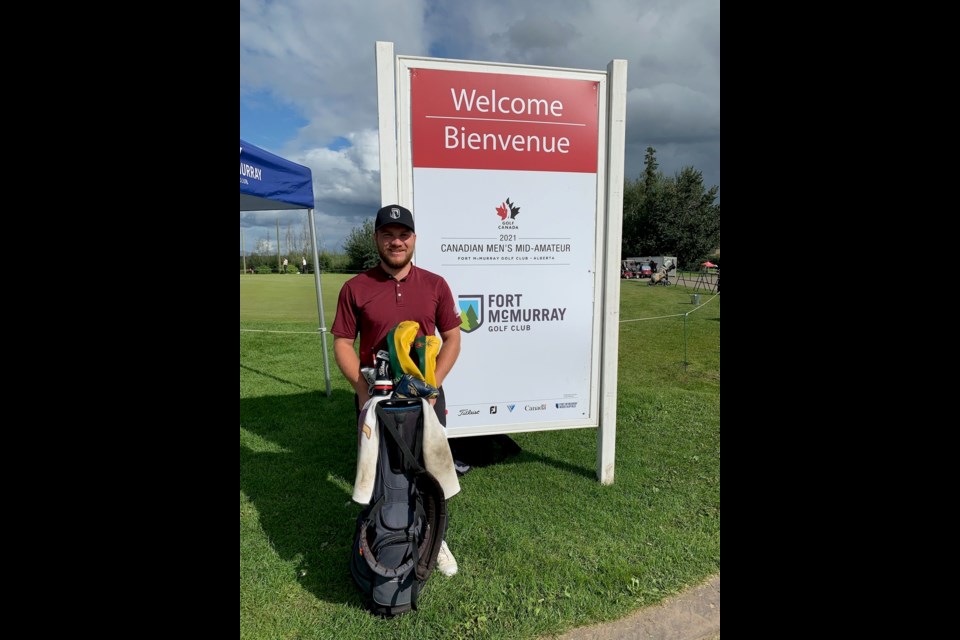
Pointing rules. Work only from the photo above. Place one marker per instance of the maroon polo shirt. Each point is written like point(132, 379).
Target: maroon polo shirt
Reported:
point(373, 302)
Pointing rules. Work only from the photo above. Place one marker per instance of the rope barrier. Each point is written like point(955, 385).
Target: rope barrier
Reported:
point(273, 331)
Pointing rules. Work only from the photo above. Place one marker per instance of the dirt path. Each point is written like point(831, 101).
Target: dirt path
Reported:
point(692, 615)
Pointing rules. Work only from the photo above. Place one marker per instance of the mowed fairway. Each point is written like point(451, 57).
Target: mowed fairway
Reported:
point(542, 546)
point(287, 299)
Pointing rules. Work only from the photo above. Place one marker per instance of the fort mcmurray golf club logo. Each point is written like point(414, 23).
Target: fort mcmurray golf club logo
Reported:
point(471, 312)
point(507, 313)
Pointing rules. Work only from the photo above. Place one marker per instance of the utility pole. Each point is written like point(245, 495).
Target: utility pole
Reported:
point(278, 244)
point(243, 250)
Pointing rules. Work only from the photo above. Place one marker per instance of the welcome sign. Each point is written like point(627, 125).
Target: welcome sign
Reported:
point(507, 170)
point(469, 120)
point(505, 194)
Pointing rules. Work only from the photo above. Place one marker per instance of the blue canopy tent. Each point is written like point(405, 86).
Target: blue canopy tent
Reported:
point(269, 182)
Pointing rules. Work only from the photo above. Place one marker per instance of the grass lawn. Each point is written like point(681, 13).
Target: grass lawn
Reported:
point(542, 545)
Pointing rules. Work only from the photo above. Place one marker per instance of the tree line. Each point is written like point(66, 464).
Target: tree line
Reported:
point(675, 216)
point(670, 216)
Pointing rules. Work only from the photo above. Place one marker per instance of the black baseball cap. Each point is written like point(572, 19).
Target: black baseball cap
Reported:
point(394, 214)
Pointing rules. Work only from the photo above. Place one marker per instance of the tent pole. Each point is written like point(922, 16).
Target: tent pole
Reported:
point(316, 281)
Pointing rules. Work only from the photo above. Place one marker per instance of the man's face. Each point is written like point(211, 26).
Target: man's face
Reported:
point(395, 244)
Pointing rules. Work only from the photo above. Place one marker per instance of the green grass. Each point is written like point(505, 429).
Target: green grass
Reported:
point(542, 545)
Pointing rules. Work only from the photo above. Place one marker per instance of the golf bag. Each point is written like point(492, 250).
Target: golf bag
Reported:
point(398, 534)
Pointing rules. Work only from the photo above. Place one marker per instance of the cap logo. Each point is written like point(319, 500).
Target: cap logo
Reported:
point(394, 213)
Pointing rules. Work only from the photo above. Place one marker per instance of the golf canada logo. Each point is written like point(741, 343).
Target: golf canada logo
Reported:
point(508, 213)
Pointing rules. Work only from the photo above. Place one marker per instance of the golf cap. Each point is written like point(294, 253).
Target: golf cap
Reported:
point(394, 214)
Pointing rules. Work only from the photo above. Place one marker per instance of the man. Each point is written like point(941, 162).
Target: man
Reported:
point(375, 301)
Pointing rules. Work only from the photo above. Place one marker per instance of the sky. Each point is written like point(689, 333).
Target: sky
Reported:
point(308, 82)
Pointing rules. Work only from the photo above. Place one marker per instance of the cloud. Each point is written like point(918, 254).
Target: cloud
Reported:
point(308, 77)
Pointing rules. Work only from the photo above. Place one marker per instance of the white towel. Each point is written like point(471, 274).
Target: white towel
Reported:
point(436, 451)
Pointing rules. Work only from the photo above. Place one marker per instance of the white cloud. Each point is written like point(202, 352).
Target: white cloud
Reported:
point(316, 58)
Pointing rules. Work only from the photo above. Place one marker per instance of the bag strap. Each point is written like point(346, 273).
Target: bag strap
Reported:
point(410, 460)
point(435, 522)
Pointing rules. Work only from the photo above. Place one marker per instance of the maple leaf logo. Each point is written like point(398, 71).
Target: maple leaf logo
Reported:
point(508, 208)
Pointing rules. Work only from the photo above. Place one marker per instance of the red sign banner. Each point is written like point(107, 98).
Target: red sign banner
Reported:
point(470, 120)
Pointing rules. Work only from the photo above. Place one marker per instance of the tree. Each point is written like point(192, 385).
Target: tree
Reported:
point(664, 216)
point(642, 202)
point(470, 317)
point(361, 251)
point(693, 221)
